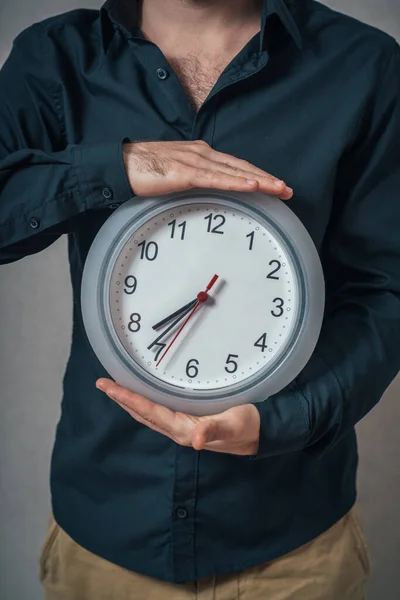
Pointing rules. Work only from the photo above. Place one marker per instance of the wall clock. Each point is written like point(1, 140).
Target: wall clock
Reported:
point(203, 300)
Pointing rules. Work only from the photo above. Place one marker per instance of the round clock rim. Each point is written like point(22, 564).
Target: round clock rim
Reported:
point(139, 210)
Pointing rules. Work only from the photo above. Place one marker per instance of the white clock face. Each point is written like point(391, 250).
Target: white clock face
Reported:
point(244, 327)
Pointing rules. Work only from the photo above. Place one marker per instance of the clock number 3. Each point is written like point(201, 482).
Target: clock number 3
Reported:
point(279, 306)
point(134, 323)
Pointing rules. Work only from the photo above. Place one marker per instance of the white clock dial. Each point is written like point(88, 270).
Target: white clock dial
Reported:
point(250, 318)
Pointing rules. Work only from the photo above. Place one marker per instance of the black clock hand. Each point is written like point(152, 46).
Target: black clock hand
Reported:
point(188, 308)
point(184, 310)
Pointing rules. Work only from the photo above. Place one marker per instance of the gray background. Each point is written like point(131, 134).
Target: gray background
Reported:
point(35, 321)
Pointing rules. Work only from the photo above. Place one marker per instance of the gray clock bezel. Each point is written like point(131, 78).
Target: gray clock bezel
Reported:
point(106, 344)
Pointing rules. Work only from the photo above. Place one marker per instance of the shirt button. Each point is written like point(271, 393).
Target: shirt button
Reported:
point(114, 205)
point(107, 193)
point(162, 74)
point(34, 223)
point(182, 513)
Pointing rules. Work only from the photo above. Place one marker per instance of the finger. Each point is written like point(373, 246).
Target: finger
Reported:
point(143, 421)
point(206, 162)
point(224, 448)
point(140, 419)
point(266, 182)
point(205, 178)
point(230, 160)
point(287, 194)
point(155, 414)
point(212, 430)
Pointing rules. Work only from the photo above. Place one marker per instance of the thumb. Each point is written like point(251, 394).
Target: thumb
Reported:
point(210, 430)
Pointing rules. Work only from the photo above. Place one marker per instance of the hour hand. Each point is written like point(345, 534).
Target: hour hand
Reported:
point(179, 312)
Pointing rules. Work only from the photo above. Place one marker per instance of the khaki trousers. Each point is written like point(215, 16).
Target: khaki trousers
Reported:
point(333, 566)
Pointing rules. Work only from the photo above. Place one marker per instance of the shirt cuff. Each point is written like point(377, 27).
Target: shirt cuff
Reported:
point(284, 423)
point(101, 174)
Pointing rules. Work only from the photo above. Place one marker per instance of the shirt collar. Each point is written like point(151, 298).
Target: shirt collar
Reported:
point(287, 12)
point(124, 15)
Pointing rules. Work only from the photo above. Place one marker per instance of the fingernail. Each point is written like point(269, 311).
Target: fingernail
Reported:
point(251, 181)
point(278, 183)
point(100, 386)
point(288, 190)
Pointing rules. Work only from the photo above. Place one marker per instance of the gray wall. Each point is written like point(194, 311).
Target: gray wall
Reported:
point(35, 322)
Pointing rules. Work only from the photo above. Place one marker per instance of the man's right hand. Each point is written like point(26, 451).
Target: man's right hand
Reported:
point(156, 168)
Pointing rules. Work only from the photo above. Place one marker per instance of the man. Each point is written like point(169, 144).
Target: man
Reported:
point(282, 96)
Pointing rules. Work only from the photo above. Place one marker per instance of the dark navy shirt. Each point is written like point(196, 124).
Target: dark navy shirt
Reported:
point(314, 99)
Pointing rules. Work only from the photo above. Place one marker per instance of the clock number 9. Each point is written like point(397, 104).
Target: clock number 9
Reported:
point(234, 364)
point(131, 286)
point(279, 306)
point(135, 321)
point(191, 369)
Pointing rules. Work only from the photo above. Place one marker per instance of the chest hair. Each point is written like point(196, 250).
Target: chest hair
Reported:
point(197, 77)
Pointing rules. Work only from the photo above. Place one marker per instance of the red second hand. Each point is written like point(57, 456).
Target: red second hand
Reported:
point(201, 297)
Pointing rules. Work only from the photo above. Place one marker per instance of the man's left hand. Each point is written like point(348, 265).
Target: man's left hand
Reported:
point(235, 431)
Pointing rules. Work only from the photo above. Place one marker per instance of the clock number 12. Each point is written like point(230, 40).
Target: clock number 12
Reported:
point(219, 219)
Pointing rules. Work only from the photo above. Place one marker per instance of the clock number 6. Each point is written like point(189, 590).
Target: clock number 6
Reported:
point(279, 306)
point(135, 320)
point(234, 364)
point(191, 369)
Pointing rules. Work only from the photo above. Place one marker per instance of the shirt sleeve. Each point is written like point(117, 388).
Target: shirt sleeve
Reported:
point(358, 352)
point(46, 183)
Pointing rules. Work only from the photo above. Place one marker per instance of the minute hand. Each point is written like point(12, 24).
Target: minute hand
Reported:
point(181, 311)
point(181, 315)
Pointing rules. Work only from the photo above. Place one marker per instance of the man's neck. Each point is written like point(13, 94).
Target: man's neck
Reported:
point(209, 23)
